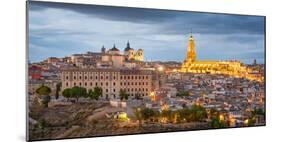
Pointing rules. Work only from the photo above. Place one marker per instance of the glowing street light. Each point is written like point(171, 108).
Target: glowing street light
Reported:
point(160, 68)
point(152, 96)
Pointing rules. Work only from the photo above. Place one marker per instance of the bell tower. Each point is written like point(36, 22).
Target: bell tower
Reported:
point(191, 51)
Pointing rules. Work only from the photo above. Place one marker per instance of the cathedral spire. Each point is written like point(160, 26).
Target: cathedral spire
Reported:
point(191, 51)
point(128, 44)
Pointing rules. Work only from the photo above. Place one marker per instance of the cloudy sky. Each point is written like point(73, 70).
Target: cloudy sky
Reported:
point(60, 30)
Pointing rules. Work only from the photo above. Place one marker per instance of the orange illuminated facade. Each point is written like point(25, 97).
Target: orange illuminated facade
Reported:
point(233, 68)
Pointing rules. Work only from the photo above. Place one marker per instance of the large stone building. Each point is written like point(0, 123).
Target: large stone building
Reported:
point(233, 68)
point(134, 82)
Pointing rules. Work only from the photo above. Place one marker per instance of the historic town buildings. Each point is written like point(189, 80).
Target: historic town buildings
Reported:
point(136, 83)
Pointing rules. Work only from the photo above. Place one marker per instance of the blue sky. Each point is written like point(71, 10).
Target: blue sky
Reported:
point(58, 30)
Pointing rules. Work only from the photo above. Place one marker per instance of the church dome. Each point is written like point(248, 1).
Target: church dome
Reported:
point(128, 47)
point(114, 48)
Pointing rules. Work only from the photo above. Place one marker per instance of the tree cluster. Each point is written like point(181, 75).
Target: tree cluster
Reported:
point(81, 92)
point(195, 113)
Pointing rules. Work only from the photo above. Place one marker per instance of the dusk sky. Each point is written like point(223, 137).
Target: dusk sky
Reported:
point(58, 30)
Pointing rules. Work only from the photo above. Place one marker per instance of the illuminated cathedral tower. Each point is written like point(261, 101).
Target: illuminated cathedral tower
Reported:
point(233, 68)
point(191, 51)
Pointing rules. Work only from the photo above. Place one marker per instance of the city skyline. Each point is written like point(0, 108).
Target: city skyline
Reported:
point(60, 30)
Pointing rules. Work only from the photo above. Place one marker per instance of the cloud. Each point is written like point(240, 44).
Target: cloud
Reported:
point(69, 28)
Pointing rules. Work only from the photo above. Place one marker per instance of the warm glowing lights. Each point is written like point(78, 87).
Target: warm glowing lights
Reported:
point(152, 96)
point(232, 68)
point(165, 107)
point(221, 117)
point(246, 122)
point(160, 68)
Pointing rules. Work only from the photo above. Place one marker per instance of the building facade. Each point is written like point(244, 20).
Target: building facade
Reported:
point(134, 82)
point(233, 68)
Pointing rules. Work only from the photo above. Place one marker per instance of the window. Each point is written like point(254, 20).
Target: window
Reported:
point(101, 77)
point(101, 83)
point(121, 83)
point(146, 89)
point(74, 77)
point(146, 77)
point(106, 83)
point(91, 77)
point(96, 77)
point(121, 77)
point(74, 83)
point(128, 77)
point(66, 77)
point(139, 83)
point(113, 83)
point(80, 77)
point(85, 83)
point(146, 83)
point(113, 90)
point(91, 84)
point(66, 84)
point(85, 77)
point(136, 77)
point(106, 77)
point(114, 77)
point(136, 83)
point(96, 84)
point(106, 90)
point(80, 83)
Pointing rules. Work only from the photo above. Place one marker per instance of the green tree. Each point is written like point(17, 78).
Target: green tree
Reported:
point(183, 94)
point(45, 100)
point(77, 92)
point(123, 95)
point(43, 90)
point(138, 115)
point(67, 93)
point(198, 113)
point(96, 93)
point(168, 114)
point(184, 114)
point(147, 113)
point(44, 94)
point(58, 89)
point(217, 123)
